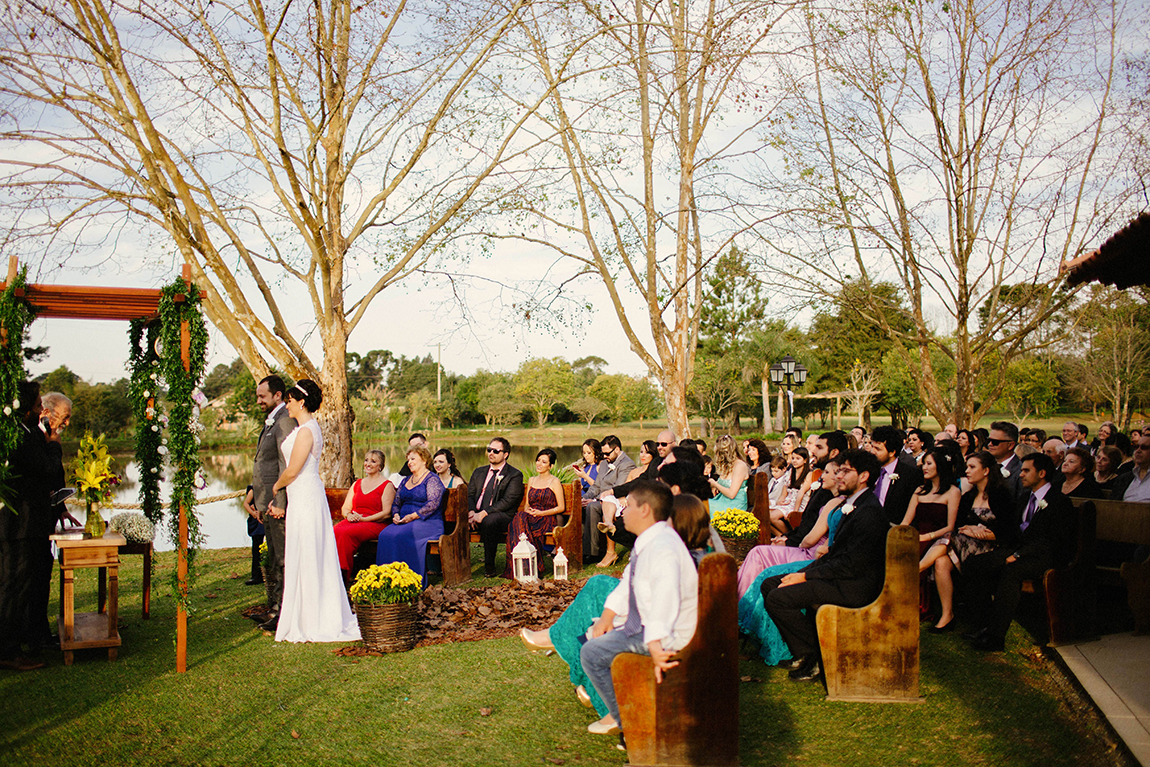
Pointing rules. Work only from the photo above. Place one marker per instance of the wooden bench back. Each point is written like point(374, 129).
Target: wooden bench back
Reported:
point(871, 653)
point(1121, 521)
point(762, 505)
point(692, 718)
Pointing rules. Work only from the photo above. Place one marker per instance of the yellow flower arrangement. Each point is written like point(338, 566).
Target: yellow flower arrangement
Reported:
point(736, 524)
point(390, 584)
point(93, 469)
point(263, 554)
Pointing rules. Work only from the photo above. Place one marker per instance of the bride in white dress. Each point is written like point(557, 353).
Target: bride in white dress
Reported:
point(315, 606)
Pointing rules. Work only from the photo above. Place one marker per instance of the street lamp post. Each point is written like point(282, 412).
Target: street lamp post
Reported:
point(793, 374)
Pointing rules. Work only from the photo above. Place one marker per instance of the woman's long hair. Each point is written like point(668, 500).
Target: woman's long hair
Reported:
point(798, 477)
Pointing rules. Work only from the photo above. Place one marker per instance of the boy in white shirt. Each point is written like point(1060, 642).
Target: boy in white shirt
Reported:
point(654, 608)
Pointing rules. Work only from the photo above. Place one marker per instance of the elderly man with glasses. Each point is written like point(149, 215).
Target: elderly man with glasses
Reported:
point(493, 497)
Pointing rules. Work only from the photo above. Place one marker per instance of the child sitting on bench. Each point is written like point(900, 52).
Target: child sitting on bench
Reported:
point(654, 608)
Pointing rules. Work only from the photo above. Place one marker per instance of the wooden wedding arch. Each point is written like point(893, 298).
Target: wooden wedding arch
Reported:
point(92, 302)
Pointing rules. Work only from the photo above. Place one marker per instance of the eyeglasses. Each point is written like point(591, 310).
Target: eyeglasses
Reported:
point(1142, 447)
point(494, 450)
point(664, 444)
point(993, 441)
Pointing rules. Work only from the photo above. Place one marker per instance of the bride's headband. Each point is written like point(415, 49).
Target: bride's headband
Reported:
point(300, 389)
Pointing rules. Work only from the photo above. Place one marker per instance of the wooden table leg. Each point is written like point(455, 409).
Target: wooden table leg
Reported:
point(66, 608)
point(148, 582)
point(113, 599)
point(102, 590)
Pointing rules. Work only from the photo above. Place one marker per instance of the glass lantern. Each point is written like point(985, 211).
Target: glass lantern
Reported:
point(523, 558)
point(560, 561)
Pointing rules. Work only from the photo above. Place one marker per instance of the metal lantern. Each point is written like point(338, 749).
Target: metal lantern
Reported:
point(523, 558)
point(777, 373)
point(560, 560)
point(800, 374)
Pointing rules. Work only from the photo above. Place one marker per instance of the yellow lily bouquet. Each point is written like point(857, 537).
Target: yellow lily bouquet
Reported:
point(389, 584)
point(95, 479)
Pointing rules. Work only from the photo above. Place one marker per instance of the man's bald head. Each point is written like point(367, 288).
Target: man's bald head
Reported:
point(665, 442)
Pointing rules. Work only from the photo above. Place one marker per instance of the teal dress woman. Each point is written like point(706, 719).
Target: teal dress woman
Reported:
point(753, 618)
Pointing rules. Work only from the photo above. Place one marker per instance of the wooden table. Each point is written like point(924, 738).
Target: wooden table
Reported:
point(98, 629)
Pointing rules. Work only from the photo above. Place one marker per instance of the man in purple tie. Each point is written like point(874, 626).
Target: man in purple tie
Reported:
point(898, 475)
point(1045, 540)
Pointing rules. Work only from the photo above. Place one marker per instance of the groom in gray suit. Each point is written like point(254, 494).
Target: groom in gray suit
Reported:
point(260, 502)
point(613, 470)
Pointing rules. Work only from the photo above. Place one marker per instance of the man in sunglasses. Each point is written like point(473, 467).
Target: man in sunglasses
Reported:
point(1001, 443)
point(493, 497)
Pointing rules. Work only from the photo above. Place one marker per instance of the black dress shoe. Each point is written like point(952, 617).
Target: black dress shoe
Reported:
point(262, 616)
point(988, 643)
point(808, 673)
point(949, 627)
point(793, 663)
point(253, 581)
point(272, 623)
point(973, 635)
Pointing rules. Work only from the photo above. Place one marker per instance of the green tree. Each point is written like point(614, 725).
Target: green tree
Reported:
point(544, 383)
point(224, 378)
point(641, 400)
point(586, 370)
point(61, 379)
point(1031, 389)
point(101, 408)
point(367, 369)
point(588, 408)
point(499, 405)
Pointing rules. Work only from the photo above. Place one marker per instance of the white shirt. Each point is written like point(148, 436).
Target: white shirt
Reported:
point(666, 588)
point(1139, 489)
point(272, 415)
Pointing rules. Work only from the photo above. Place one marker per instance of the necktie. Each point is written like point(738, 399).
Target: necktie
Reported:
point(634, 623)
point(1029, 515)
point(488, 490)
point(882, 486)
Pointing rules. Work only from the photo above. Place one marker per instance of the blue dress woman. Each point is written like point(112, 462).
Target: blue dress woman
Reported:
point(753, 618)
point(416, 516)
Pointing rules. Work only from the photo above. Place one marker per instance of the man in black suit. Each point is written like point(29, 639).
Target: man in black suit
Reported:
point(850, 574)
point(898, 474)
point(1045, 540)
point(829, 449)
point(493, 497)
point(1001, 443)
point(24, 529)
point(261, 504)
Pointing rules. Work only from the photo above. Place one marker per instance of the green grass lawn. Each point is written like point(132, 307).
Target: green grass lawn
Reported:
point(247, 700)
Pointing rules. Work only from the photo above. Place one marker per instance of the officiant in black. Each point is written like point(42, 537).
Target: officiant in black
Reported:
point(25, 559)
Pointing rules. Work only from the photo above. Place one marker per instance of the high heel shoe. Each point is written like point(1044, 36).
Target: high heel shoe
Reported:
point(608, 560)
point(605, 528)
point(530, 639)
point(942, 629)
point(584, 698)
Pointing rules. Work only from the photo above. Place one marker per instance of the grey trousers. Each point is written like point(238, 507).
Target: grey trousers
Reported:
point(275, 536)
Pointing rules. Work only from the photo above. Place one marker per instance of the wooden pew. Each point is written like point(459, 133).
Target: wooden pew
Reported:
point(761, 506)
point(1122, 522)
point(692, 718)
point(456, 544)
point(870, 653)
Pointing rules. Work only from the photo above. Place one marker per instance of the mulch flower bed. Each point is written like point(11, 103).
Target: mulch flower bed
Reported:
point(468, 615)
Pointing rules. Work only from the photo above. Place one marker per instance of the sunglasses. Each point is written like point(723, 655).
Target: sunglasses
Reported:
point(494, 450)
point(993, 441)
point(664, 444)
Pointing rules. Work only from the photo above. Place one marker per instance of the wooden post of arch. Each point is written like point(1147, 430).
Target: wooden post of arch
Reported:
point(182, 566)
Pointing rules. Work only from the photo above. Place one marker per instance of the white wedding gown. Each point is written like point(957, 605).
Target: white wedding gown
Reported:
point(315, 606)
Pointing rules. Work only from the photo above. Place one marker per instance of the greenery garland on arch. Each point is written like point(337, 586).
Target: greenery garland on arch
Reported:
point(16, 314)
point(144, 391)
point(179, 302)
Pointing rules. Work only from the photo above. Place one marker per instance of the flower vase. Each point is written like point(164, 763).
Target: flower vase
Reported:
point(94, 523)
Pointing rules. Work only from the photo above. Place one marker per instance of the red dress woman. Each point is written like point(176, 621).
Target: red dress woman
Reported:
point(367, 506)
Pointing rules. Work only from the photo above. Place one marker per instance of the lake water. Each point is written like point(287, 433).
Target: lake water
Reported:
point(224, 523)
